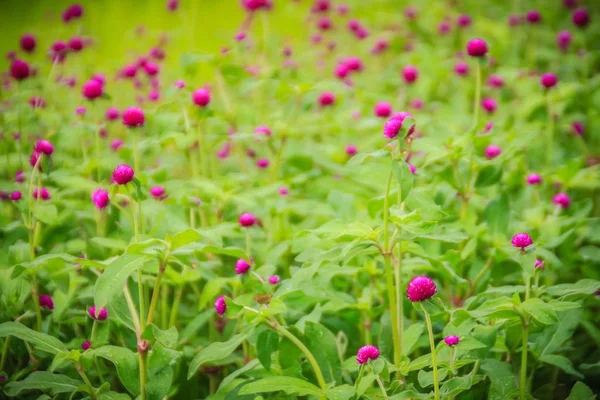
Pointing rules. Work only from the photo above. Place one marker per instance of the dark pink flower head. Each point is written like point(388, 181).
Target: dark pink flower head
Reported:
point(76, 44)
point(413, 169)
point(102, 315)
point(534, 17)
point(73, 12)
point(392, 128)
point(326, 99)
point(521, 240)
point(201, 97)
point(383, 109)
point(515, 19)
point(157, 192)
point(444, 27)
point(100, 198)
point(463, 21)
point(495, 81)
point(35, 159)
point(100, 78)
point(581, 18)
point(42, 193)
point(571, 4)
point(362, 33)
point(37, 102)
point(342, 9)
point(241, 266)
point(420, 288)
point(157, 53)
point(283, 191)
point(86, 345)
point(44, 146)
point(539, 264)
point(247, 220)
point(562, 200)
point(28, 43)
point(133, 117)
point(577, 127)
point(461, 68)
point(19, 70)
point(489, 105)
point(262, 163)
point(220, 305)
point(154, 95)
point(112, 113)
point(129, 71)
point(548, 80)
point(172, 5)
point(477, 48)
point(151, 68)
point(534, 179)
point(81, 110)
point(179, 84)
point(273, 279)
point(324, 23)
point(341, 71)
point(417, 104)
point(353, 24)
point(492, 152)
point(240, 36)
point(354, 63)
point(20, 176)
point(58, 51)
point(410, 12)
point(367, 353)
point(16, 196)
point(116, 144)
point(263, 130)
point(351, 150)
point(92, 89)
point(563, 39)
point(380, 46)
point(46, 302)
point(123, 174)
point(451, 340)
point(410, 73)
point(255, 5)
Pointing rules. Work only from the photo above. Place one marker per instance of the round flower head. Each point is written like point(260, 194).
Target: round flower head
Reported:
point(20, 176)
point(495, 81)
point(361, 33)
point(28, 43)
point(521, 240)
point(563, 39)
point(81, 110)
point(533, 17)
point(86, 345)
point(19, 70)
point(283, 191)
point(263, 130)
point(463, 21)
point(413, 169)
point(247, 220)
point(451, 340)
point(157, 53)
point(151, 68)
point(274, 280)
point(179, 84)
point(201, 97)
point(100, 198)
point(112, 113)
point(324, 23)
point(16, 196)
point(46, 302)
point(133, 116)
point(392, 128)
point(102, 315)
point(154, 95)
point(116, 144)
point(326, 99)
point(581, 18)
point(157, 192)
point(44, 146)
point(341, 71)
point(92, 89)
point(461, 68)
point(420, 288)
point(123, 174)
point(444, 28)
point(562, 200)
point(33, 160)
point(534, 179)
point(477, 48)
point(37, 102)
point(129, 71)
point(410, 73)
point(489, 105)
point(241, 266)
point(492, 152)
point(220, 305)
point(539, 264)
point(577, 127)
point(351, 150)
point(42, 193)
point(76, 44)
point(262, 163)
point(548, 80)
point(354, 63)
point(367, 353)
point(383, 109)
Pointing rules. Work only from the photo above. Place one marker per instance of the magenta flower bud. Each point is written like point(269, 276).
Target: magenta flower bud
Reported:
point(123, 174)
point(563, 39)
point(220, 306)
point(151, 68)
point(112, 113)
point(247, 220)
point(133, 116)
point(353, 24)
point(172, 5)
point(534, 17)
point(581, 18)
point(37, 102)
point(420, 288)
point(34, 159)
point(326, 99)
point(76, 44)
point(380, 46)
point(19, 70)
point(461, 68)
point(495, 81)
point(383, 109)
point(417, 104)
point(28, 43)
point(367, 353)
point(91, 90)
point(342, 9)
point(240, 36)
point(154, 95)
point(534, 179)
point(129, 71)
point(284, 191)
point(463, 21)
point(492, 152)
point(539, 264)
point(157, 53)
point(100, 198)
point(477, 48)
point(444, 28)
point(361, 33)
point(392, 128)
point(81, 110)
point(262, 163)
point(410, 12)
point(102, 315)
point(577, 127)
point(571, 4)
point(116, 144)
point(412, 168)
point(515, 19)
point(451, 340)
point(157, 192)
point(521, 240)
point(324, 23)
point(263, 130)
point(42, 193)
point(561, 200)
point(341, 71)
point(46, 302)
point(548, 80)
point(351, 150)
point(354, 63)
point(489, 105)
point(241, 266)
point(16, 196)
point(44, 146)
point(180, 84)
point(274, 280)
point(86, 345)
point(20, 176)
point(201, 97)
point(410, 73)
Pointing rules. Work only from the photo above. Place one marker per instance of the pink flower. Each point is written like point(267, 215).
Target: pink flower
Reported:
point(274, 280)
point(129, 71)
point(37, 102)
point(116, 144)
point(157, 192)
point(112, 113)
point(581, 18)
point(394, 124)
point(100, 198)
point(495, 81)
point(461, 68)
point(420, 288)
point(341, 71)
point(342, 9)
point(353, 24)
point(247, 220)
point(151, 68)
point(81, 110)
point(44, 146)
point(515, 19)
point(534, 179)
point(73, 12)
point(263, 130)
point(92, 89)
point(351, 150)
point(463, 21)
point(410, 12)
point(380, 46)
point(383, 109)
point(220, 305)
point(354, 63)
point(46, 302)
point(172, 5)
point(451, 340)
point(28, 43)
point(563, 39)
point(324, 23)
point(284, 191)
point(33, 160)
point(326, 99)
point(444, 27)
point(58, 51)
point(100, 78)
point(412, 168)
point(577, 127)
point(20, 176)
point(133, 117)
point(562, 200)
point(157, 53)
point(262, 163)
point(42, 193)
point(410, 73)
point(201, 97)
point(123, 174)
point(521, 240)
point(417, 104)
point(489, 105)
point(492, 152)
point(539, 264)
point(86, 345)
point(102, 315)
point(361, 33)
point(548, 80)
point(477, 48)
point(180, 84)
point(241, 266)
point(76, 44)
point(19, 70)
point(16, 196)
point(367, 353)
point(534, 17)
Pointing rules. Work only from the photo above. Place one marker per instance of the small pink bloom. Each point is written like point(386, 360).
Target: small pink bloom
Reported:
point(410, 12)
point(417, 104)
point(412, 168)
point(534, 179)
point(354, 63)
point(477, 48)
point(81, 110)
point(274, 280)
point(581, 18)
point(284, 191)
point(247, 220)
point(157, 53)
point(180, 84)
point(521, 240)
point(451, 340)
point(112, 113)
point(76, 44)
point(129, 71)
point(420, 288)
point(19, 70)
point(46, 302)
point(28, 43)
point(489, 105)
point(563, 39)
point(353, 25)
point(42, 193)
point(548, 80)
point(201, 97)
point(495, 81)
point(20, 176)
point(533, 17)
point(241, 266)
point(367, 353)
point(444, 28)
point(461, 68)
point(37, 102)
point(157, 192)
point(220, 305)
point(86, 345)
point(16, 196)
point(133, 117)
point(562, 200)
point(342, 9)
point(263, 130)
point(326, 99)
point(539, 264)
point(324, 23)
point(116, 144)
point(341, 71)
point(92, 89)
point(172, 5)
point(463, 21)
point(100, 198)
point(262, 163)
point(151, 68)
point(44, 146)
point(102, 315)
point(123, 174)
point(577, 127)
point(492, 152)
point(383, 109)
point(351, 150)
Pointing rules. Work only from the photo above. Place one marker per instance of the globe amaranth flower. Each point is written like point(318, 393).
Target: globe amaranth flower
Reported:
point(540, 264)
point(263, 130)
point(563, 39)
point(577, 127)
point(241, 266)
point(489, 105)
point(495, 81)
point(46, 302)
point(76, 44)
point(92, 89)
point(492, 152)
point(81, 110)
point(42, 193)
point(201, 97)
point(533, 17)
point(367, 353)
point(413, 169)
point(44, 146)
point(477, 48)
point(383, 109)
point(28, 43)
point(37, 102)
point(133, 117)
point(157, 192)
point(262, 163)
point(420, 288)
point(463, 21)
point(351, 150)
point(116, 144)
point(247, 220)
point(16, 196)
point(102, 315)
point(534, 179)
point(86, 345)
point(521, 240)
point(20, 70)
point(123, 174)
point(581, 18)
point(562, 200)
point(548, 80)
point(273, 279)
point(410, 73)
point(112, 113)
point(220, 305)
point(151, 68)
point(451, 340)
point(461, 68)
point(394, 124)
point(326, 99)
point(283, 191)
point(100, 198)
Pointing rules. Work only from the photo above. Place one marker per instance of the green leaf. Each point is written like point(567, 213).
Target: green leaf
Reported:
point(266, 344)
point(426, 377)
point(540, 311)
point(314, 316)
point(361, 157)
point(160, 371)
point(230, 378)
point(168, 338)
point(502, 378)
point(343, 392)
point(563, 363)
point(192, 327)
point(215, 352)
point(322, 344)
point(411, 336)
point(113, 396)
point(44, 381)
point(497, 214)
point(584, 286)
point(109, 243)
point(580, 391)
point(404, 177)
point(47, 213)
point(183, 238)
point(488, 176)
point(124, 360)
point(40, 340)
point(286, 384)
point(553, 337)
point(111, 282)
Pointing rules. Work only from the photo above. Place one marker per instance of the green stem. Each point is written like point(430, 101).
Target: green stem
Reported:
point(143, 374)
point(523, 382)
point(175, 307)
point(156, 291)
point(380, 383)
point(93, 334)
point(132, 310)
point(136, 157)
point(83, 376)
point(549, 153)
point(248, 242)
point(36, 304)
point(476, 105)
point(480, 275)
point(436, 384)
point(4, 352)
